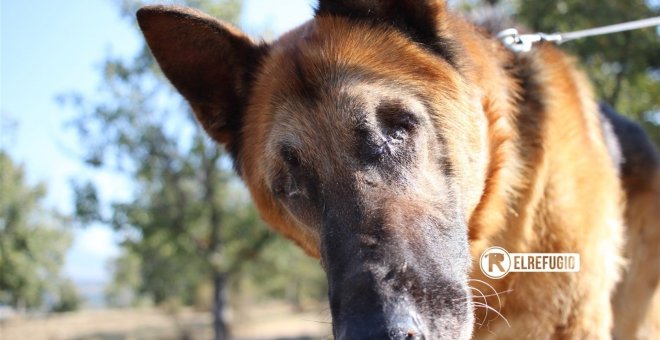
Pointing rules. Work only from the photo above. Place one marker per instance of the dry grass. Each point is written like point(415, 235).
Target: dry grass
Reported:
point(262, 322)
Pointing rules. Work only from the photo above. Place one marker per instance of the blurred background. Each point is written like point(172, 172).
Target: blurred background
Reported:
point(119, 219)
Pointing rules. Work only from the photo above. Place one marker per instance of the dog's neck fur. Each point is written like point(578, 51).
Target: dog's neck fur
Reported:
point(515, 92)
point(502, 96)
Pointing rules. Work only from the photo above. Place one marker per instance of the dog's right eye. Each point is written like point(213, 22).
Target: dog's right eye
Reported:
point(290, 157)
point(285, 187)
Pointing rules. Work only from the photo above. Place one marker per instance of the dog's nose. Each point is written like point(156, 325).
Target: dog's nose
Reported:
point(400, 328)
point(365, 311)
point(405, 328)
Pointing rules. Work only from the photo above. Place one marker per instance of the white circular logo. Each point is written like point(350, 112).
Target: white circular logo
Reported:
point(495, 262)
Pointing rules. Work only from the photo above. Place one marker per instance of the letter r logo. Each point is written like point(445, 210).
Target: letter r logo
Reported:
point(495, 259)
point(495, 262)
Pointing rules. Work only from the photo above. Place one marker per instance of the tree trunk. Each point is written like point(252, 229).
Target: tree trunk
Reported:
point(219, 300)
point(613, 98)
point(215, 250)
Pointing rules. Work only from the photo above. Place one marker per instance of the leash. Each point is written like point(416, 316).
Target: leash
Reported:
point(524, 42)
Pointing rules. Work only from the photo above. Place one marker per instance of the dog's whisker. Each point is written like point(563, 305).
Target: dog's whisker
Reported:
point(482, 305)
point(485, 295)
point(499, 301)
point(485, 302)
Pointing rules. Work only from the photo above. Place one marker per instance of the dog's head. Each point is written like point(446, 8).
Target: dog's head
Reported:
point(359, 139)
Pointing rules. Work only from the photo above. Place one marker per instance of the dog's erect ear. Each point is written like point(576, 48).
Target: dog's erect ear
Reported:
point(422, 20)
point(208, 61)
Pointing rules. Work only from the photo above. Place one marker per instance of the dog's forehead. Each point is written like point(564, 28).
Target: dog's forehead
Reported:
point(339, 108)
point(318, 81)
point(336, 65)
point(339, 49)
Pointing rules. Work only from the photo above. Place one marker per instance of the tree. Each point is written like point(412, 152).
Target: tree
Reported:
point(189, 220)
point(624, 67)
point(33, 240)
point(68, 298)
point(126, 281)
point(177, 210)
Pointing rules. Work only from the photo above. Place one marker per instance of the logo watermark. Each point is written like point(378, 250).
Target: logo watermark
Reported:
point(496, 262)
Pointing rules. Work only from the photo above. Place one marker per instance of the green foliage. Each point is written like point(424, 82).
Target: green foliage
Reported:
point(624, 67)
point(126, 281)
point(284, 272)
point(190, 219)
point(68, 298)
point(227, 10)
point(33, 241)
point(86, 202)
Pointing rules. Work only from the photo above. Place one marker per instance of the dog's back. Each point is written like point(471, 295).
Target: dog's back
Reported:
point(637, 299)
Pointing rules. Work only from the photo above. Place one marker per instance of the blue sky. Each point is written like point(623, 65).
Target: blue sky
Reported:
point(49, 48)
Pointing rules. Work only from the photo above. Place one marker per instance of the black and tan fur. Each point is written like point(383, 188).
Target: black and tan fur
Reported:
point(395, 141)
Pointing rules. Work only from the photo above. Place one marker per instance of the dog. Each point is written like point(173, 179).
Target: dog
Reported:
point(396, 141)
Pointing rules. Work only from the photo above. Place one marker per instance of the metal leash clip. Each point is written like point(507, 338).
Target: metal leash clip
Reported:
point(523, 42)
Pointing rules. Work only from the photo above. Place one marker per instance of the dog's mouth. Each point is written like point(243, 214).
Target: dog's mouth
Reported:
point(397, 282)
point(369, 307)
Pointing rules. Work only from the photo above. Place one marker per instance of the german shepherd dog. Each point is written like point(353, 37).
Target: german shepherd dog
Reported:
point(396, 141)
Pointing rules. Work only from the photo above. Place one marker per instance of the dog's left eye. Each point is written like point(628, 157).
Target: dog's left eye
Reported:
point(395, 135)
point(376, 147)
point(396, 121)
point(396, 125)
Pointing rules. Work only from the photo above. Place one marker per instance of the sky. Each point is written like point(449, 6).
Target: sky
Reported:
point(50, 48)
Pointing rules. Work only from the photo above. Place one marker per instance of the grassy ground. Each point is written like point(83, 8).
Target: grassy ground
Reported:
point(264, 322)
